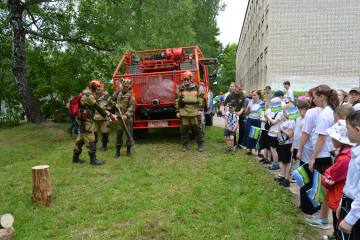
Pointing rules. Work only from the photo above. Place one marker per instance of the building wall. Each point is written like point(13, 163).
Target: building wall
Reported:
point(251, 58)
point(305, 42)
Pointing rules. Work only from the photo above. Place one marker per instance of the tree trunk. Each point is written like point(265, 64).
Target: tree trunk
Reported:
point(7, 233)
point(41, 193)
point(6, 220)
point(26, 95)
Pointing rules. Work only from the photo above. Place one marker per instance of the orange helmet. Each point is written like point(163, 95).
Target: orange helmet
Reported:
point(126, 82)
point(188, 74)
point(101, 86)
point(95, 83)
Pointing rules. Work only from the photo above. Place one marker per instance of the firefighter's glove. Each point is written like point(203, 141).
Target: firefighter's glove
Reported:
point(111, 118)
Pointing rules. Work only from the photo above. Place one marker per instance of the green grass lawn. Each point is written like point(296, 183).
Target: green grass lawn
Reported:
point(158, 193)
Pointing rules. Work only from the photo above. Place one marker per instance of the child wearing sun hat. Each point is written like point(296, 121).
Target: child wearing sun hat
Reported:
point(335, 176)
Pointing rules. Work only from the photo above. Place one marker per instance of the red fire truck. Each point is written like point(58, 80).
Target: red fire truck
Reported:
point(155, 75)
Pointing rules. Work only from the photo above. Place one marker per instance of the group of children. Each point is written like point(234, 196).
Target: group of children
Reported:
point(323, 139)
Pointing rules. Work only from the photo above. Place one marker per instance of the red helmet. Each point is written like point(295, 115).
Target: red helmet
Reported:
point(126, 82)
point(95, 83)
point(101, 86)
point(188, 74)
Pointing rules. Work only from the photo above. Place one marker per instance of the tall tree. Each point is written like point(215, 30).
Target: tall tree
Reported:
point(205, 26)
point(27, 98)
point(40, 19)
point(227, 62)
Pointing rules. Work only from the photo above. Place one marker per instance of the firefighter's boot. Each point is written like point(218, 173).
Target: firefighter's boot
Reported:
point(117, 154)
point(104, 146)
point(76, 158)
point(96, 139)
point(105, 140)
point(200, 147)
point(94, 161)
point(128, 152)
point(185, 148)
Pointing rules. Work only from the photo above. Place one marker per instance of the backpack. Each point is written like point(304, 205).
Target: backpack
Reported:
point(268, 124)
point(281, 138)
point(74, 105)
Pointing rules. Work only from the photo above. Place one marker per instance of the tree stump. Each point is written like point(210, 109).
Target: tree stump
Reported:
point(6, 220)
point(7, 233)
point(41, 193)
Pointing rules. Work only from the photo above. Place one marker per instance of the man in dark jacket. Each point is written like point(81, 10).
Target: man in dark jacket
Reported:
point(237, 97)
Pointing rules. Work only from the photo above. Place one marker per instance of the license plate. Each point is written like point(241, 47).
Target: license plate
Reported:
point(158, 124)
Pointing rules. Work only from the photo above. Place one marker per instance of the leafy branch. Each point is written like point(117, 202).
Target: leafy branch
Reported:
point(34, 2)
point(75, 40)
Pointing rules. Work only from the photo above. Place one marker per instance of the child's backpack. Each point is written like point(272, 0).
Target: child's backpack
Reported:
point(74, 105)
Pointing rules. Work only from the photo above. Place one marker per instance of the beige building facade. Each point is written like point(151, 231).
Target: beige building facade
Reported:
point(305, 42)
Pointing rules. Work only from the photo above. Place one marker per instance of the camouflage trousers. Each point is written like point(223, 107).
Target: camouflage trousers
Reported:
point(187, 123)
point(120, 129)
point(104, 126)
point(86, 136)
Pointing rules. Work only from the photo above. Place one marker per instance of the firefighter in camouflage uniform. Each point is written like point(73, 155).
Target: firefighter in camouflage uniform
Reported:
point(88, 103)
point(126, 102)
point(189, 105)
point(103, 98)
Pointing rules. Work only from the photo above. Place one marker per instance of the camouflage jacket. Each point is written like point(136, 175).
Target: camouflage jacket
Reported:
point(126, 102)
point(189, 100)
point(104, 102)
point(89, 101)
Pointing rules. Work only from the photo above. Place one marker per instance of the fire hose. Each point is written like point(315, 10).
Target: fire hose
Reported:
point(127, 130)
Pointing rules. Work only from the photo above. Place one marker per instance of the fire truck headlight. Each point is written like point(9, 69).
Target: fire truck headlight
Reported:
point(155, 102)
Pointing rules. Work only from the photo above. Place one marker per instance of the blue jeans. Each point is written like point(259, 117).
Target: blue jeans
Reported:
point(250, 143)
point(74, 124)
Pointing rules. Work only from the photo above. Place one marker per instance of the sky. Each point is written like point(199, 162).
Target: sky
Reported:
point(230, 21)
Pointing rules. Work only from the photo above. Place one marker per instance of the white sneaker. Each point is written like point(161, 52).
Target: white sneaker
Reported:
point(293, 180)
point(315, 216)
point(318, 223)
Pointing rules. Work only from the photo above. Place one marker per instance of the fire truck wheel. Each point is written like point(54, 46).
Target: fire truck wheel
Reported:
point(141, 133)
point(209, 120)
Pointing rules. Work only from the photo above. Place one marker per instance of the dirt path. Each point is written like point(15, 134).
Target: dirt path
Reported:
point(294, 187)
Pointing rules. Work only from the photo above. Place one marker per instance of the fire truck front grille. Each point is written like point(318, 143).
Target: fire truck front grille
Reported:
point(161, 87)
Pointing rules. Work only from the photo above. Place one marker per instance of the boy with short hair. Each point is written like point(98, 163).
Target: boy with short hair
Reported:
point(342, 111)
point(289, 97)
point(302, 106)
point(287, 130)
point(268, 91)
point(231, 125)
point(348, 212)
point(274, 119)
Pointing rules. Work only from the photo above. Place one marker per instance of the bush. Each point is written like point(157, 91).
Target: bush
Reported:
point(9, 118)
point(47, 110)
point(298, 94)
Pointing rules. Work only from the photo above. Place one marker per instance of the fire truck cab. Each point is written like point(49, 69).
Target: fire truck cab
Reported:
point(156, 75)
